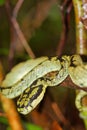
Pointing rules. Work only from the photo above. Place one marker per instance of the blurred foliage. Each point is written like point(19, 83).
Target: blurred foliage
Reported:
point(47, 36)
point(2, 2)
point(27, 126)
point(44, 39)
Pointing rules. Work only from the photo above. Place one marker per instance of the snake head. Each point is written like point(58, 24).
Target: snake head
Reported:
point(30, 98)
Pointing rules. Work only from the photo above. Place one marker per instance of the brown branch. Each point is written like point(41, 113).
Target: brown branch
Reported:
point(55, 126)
point(81, 33)
point(11, 113)
point(10, 108)
point(84, 17)
point(65, 15)
point(69, 84)
point(59, 114)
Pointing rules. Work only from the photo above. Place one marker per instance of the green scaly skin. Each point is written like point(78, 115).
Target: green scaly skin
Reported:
point(30, 79)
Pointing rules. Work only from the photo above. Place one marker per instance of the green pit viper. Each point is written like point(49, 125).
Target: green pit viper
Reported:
point(29, 80)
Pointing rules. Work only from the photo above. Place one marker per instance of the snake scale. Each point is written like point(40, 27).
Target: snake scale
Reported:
point(29, 79)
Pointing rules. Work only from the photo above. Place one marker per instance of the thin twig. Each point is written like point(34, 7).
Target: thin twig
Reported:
point(59, 113)
point(22, 38)
point(20, 35)
point(17, 7)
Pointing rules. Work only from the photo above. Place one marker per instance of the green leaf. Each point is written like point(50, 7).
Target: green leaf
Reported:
point(2, 2)
point(29, 126)
point(3, 120)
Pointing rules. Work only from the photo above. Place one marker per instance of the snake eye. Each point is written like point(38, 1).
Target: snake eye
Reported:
point(30, 99)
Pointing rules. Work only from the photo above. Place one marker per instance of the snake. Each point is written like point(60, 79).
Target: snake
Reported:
point(29, 80)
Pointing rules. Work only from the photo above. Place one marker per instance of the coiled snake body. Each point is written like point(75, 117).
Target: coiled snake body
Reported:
point(30, 79)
